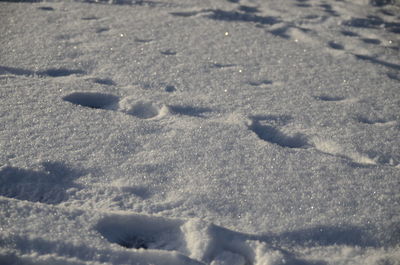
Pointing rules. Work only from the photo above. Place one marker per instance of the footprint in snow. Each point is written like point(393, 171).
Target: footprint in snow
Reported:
point(194, 238)
point(142, 232)
point(128, 105)
point(266, 128)
point(204, 243)
point(93, 100)
point(49, 185)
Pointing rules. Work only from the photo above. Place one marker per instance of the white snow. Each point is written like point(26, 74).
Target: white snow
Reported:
point(240, 132)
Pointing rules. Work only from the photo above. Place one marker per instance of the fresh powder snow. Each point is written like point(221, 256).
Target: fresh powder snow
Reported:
point(218, 132)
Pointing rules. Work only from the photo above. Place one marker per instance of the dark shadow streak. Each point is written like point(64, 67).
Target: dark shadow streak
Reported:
point(377, 61)
point(22, 1)
point(189, 111)
point(269, 133)
point(52, 72)
point(373, 22)
point(242, 17)
point(15, 71)
point(125, 2)
point(230, 16)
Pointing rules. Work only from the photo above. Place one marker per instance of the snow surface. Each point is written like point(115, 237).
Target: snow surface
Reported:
point(240, 132)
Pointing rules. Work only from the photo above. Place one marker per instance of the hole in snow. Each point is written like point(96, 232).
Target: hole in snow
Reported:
point(273, 135)
point(141, 232)
point(92, 99)
point(58, 72)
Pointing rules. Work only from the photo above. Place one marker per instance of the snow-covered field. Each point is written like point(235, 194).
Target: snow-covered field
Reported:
point(236, 132)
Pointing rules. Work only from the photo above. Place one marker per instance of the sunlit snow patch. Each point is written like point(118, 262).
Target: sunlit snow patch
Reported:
point(142, 109)
point(332, 148)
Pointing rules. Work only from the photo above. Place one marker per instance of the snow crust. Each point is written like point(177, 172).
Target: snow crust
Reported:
point(240, 132)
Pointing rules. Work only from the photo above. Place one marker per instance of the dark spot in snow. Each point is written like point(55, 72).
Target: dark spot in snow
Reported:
point(367, 120)
point(377, 61)
point(265, 131)
point(260, 83)
point(329, 98)
point(105, 81)
point(46, 8)
point(143, 40)
point(381, 2)
point(168, 52)
point(189, 110)
point(92, 99)
point(90, 18)
point(220, 65)
point(349, 33)
point(16, 71)
point(100, 30)
point(303, 5)
point(233, 16)
point(335, 45)
point(373, 22)
point(170, 88)
point(184, 14)
point(248, 9)
point(371, 41)
point(58, 72)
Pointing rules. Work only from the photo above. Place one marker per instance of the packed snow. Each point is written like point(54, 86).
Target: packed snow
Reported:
point(218, 132)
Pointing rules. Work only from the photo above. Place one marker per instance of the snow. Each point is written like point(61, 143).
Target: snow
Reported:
point(199, 132)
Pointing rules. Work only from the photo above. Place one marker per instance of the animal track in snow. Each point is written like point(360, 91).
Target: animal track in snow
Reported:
point(59, 72)
point(128, 105)
point(210, 244)
point(196, 239)
point(93, 100)
point(48, 185)
point(51, 72)
point(139, 231)
point(264, 129)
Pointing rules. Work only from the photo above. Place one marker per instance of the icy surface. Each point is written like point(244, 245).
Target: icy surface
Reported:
point(240, 132)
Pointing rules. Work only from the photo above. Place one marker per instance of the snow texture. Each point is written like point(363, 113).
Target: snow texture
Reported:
point(219, 132)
